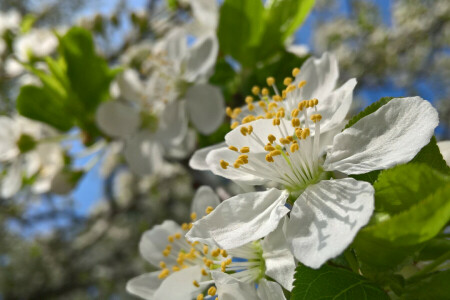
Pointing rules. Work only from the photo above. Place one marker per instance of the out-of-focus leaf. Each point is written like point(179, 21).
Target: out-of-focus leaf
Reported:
point(27, 23)
point(431, 155)
point(333, 283)
point(434, 248)
point(400, 187)
point(433, 287)
point(38, 104)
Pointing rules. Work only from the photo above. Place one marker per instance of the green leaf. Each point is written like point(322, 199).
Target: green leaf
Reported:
point(88, 73)
point(432, 287)
point(27, 23)
point(434, 248)
point(39, 104)
point(240, 27)
point(333, 283)
point(387, 244)
point(431, 155)
point(400, 187)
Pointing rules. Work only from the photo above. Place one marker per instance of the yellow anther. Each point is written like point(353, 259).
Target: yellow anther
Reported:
point(248, 119)
point(229, 261)
point(166, 252)
point(272, 105)
point(170, 238)
point(215, 252)
point(209, 209)
point(204, 273)
point(223, 266)
point(244, 131)
point(302, 104)
point(209, 263)
point(290, 138)
point(269, 115)
point(164, 273)
point(243, 158)
point(276, 122)
point(178, 235)
point(250, 129)
point(224, 164)
point(295, 71)
point(245, 150)
point(233, 148)
point(200, 297)
point(234, 125)
point(212, 291)
point(301, 84)
point(193, 216)
point(271, 138)
point(205, 249)
point(265, 92)
point(248, 99)
point(185, 226)
point(287, 81)
point(195, 283)
point(284, 141)
point(294, 147)
point(236, 112)
point(298, 133)
point(237, 164)
point(280, 114)
point(269, 158)
point(316, 101)
point(229, 111)
point(294, 113)
point(270, 81)
point(262, 104)
point(305, 133)
point(311, 103)
point(224, 252)
point(295, 122)
point(316, 117)
point(250, 106)
point(277, 98)
point(176, 268)
point(283, 94)
point(190, 225)
point(290, 88)
point(162, 264)
point(275, 153)
point(255, 90)
point(269, 147)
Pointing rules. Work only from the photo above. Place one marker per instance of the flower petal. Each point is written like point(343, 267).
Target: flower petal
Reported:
point(269, 290)
point(142, 153)
point(241, 219)
point(326, 217)
point(154, 241)
point(444, 147)
point(8, 135)
point(205, 107)
point(198, 159)
point(392, 135)
point(144, 285)
point(130, 85)
point(117, 119)
point(213, 160)
point(202, 58)
point(230, 288)
point(280, 263)
point(172, 125)
point(204, 197)
point(12, 181)
point(179, 285)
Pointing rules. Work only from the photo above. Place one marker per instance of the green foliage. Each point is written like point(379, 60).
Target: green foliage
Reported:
point(432, 287)
point(27, 23)
point(333, 283)
point(72, 89)
point(250, 32)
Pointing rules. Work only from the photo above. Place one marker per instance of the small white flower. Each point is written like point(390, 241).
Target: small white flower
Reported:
point(38, 41)
point(9, 20)
point(327, 213)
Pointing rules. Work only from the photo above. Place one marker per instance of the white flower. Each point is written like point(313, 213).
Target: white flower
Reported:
point(24, 154)
point(444, 147)
point(189, 270)
point(9, 20)
point(206, 16)
point(38, 41)
point(326, 212)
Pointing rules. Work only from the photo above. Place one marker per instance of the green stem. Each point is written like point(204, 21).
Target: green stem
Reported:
point(352, 260)
point(430, 267)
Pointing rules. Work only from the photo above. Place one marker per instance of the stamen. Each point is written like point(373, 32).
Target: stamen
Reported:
point(287, 81)
point(233, 148)
point(234, 125)
point(265, 92)
point(270, 81)
point(193, 216)
point(212, 291)
point(164, 273)
point(209, 209)
point(245, 150)
point(295, 72)
point(196, 283)
point(301, 84)
point(271, 138)
point(248, 99)
point(255, 90)
point(200, 297)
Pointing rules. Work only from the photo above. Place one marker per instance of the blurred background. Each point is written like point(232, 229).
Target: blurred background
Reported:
point(83, 243)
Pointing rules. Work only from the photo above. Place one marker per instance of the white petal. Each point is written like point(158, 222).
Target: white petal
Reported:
point(392, 135)
point(213, 161)
point(326, 217)
point(206, 13)
point(280, 263)
point(229, 288)
point(334, 108)
point(320, 75)
point(241, 219)
point(172, 125)
point(143, 153)
point(202, 58)
point(179, 285)
point(204, 197)
point(8, 136)
point(198, 160)
point(174, 45)
point(205, 107)
point(117, 119)
point(11, 183)
point(444, 147)
point(130, 85)
point(269, 290)
point(154, 241)
point(144, 285)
